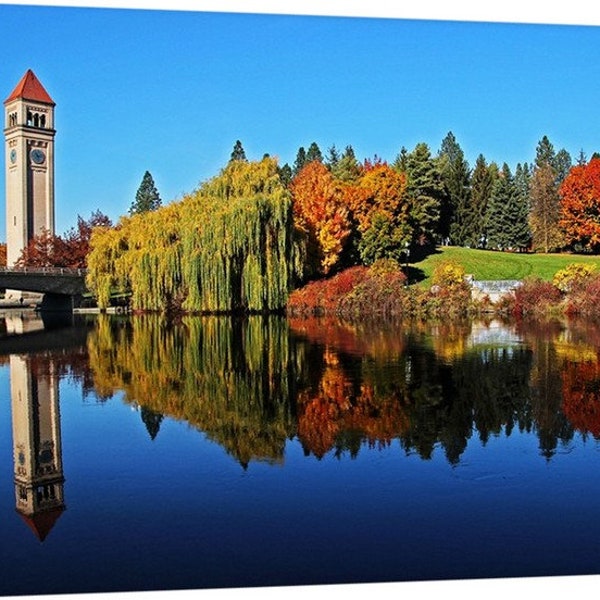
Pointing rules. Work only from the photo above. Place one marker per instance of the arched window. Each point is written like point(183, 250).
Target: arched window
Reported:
point(43, 121)
point(29, 118)
point(36, 120)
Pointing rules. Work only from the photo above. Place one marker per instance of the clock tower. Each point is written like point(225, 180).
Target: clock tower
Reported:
point(29, 144)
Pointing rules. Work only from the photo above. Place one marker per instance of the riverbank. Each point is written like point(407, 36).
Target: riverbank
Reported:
point(383, 290)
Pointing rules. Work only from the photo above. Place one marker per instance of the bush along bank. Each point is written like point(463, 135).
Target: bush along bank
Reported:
point(382, 290)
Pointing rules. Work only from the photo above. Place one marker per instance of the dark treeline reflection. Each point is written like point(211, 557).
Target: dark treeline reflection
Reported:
point(252, 384)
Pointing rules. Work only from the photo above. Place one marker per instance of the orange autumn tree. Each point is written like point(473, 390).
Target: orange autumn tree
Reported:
point(380, 205)
point(580, 206)
point(581, 396)
point(320, 213)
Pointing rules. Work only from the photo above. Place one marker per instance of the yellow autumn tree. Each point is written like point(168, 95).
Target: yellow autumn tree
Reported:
point(228, 246)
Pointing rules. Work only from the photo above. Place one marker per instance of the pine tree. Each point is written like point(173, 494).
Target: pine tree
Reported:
point(238, 152)
point(544, 152)
point(314, 153)
point(425, 190)
point(560, 161)
point(333, 158)
point(482, 184)
point(400, 164)
point(520, 208)
point(347, 168)
point(506, 219)
point(147, 197)
point(152, 421)
point(300, 160)
point(285, 174)
point(562, 165)
point(456, 218)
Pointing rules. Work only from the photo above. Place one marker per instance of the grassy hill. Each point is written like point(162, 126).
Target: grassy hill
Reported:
point(488, 264)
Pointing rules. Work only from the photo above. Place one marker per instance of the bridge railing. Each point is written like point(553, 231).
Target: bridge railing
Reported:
point(45, 271)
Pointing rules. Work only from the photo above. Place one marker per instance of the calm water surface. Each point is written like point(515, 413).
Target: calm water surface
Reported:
point(138, 454)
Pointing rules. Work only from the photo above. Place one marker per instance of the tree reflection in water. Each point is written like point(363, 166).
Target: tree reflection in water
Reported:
point(252, 384)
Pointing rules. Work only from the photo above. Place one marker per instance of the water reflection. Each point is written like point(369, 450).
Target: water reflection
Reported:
point(232, 379)
point(35, 409)
point(253, 384)
point(447, 411)
point(37, 445)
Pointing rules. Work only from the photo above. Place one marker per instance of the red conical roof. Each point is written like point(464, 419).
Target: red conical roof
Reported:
point(30, 88)
point(42, 523)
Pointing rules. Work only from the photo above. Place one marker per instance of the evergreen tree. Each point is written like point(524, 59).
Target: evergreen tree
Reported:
point(333, 158)
point(562, 165)
point(582, 158)
point(523, 181)
point(456, 214)
point(152, 421)
point(347, 168)
point(314, 153)
point(238, 152)
point(560, 161)
point(300, 160)
point(425, 190)
point(147, 197)
point(506, 220)
point(544, 152)
point(285, 174)
point(400, 164)
point(482, 184)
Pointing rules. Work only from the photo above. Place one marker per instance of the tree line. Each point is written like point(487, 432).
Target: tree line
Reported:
point(490, 206)
point(245, 238)
point(436, 394)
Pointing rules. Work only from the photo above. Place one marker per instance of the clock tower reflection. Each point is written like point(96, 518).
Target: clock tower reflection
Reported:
point(38, 469)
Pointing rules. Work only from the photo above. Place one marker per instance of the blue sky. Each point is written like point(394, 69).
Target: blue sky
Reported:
point(171, 91)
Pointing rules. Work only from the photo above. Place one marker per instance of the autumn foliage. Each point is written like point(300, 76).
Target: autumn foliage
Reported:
point(321, 214)
point(581, 396)
point(580, 206)
point(70, 250)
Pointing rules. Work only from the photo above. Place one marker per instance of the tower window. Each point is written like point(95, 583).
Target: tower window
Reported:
point(12, 119)
point(29, 118)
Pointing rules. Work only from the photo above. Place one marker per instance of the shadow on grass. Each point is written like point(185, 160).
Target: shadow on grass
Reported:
point(413, 274)
point(420, 253)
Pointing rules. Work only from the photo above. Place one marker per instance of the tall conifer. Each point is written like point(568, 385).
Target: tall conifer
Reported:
point(147, 197)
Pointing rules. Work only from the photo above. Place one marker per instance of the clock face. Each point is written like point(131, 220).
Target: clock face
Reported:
point(38, 156)
point(13, 156)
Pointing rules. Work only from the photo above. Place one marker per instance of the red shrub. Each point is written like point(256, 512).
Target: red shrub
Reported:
point(583, 300)
point(323, 296)
point(536, 297)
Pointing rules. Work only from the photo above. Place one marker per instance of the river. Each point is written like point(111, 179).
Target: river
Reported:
point(142, 454)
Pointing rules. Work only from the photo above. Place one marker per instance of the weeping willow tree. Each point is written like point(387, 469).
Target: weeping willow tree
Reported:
point(230, 378)
point(228, 246)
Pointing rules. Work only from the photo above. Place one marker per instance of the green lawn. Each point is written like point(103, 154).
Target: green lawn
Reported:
point(487, 264)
